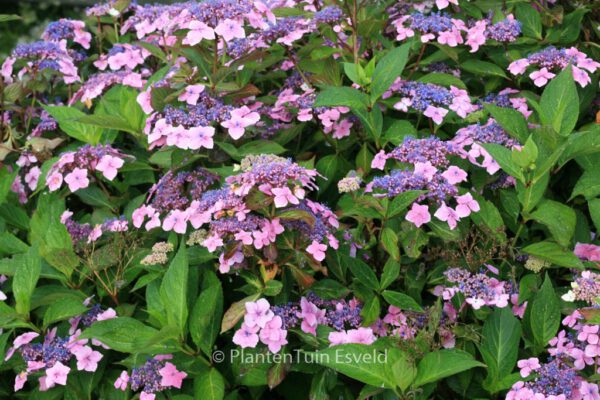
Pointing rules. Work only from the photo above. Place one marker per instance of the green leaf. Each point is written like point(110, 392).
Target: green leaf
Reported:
point(209, 385)
point(446, 80)
point(594, 207)
point(588, 185)
point(500, 346)
point(107, 122)
point(173, 290)
point(206, 317)
point(389, 240)
point(560, 103)
point(544, 314)
point(554, 253)
point(333, 96)
point(329, 289)
point(558, 218)
point(503, 157)
point(358, 361)
point(361, 271)
point(401, 300)
point(443, 363)
point(6, 180)
point(28, 270)
point(483, 68)
point(63, 309)
point(9, 17)
point(401, 202)
point(531, 22)
point(68, 117)
point(512, 121)
point(122, 334)
point(391, 271)
point(388, 69)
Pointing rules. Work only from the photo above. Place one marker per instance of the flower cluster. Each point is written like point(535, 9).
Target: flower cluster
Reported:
point(586, 287)
point(550, 61)
point(42, 56)
point(53, 355)
point(431, 173)
point(73, 167)
point(157, 374)
point(441, 27)
point(82, 234)
point(560, 377)
point(432, 100)
point(159, 254)
point(67, 29)
point(467, 143)
point(231, 222)
point(478, 289)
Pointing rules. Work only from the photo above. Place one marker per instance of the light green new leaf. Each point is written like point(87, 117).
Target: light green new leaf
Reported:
point(209, 385)
point(545, 314)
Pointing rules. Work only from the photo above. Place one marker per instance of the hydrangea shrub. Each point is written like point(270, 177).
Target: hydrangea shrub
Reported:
point(244, 199)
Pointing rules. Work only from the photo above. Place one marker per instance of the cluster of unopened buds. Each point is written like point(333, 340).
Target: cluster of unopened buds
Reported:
point(75, 167)
point(547, 63)
point(431, 172)
point(560, 378)
point(155, 375)
point(53, 355)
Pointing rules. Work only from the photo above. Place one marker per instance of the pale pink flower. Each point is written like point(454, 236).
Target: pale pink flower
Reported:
point(171, 377)
point(437, 114)
point(246, 336)
point(425, 169)
point(317, 250)
point(258, 313)
point(198, 31)
point(240, 118)
point(418, 215)
point(230, 29)
point(541, 77)
point(122, 381)
point(361, 336)
point(587, 251)
point(212, 242)
point(441, 4)
point(57, 375)
point(109, 165)
point(519, 66)
point(311, 315)
point(87, 358)
point(455, 175)
point(200, 136)
point(32, 177)
point(77, 179)
point(580, 76)
point(403, 104)
point(273, 335)
point(20, 380)
point(379, 160)
point(466, 205)
point(95, 234)
point(176, 221)
point(147, 396)
point(283, 196)
point(191, 94)
point(447, 214)
point(528, 365)
point(336, 338)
